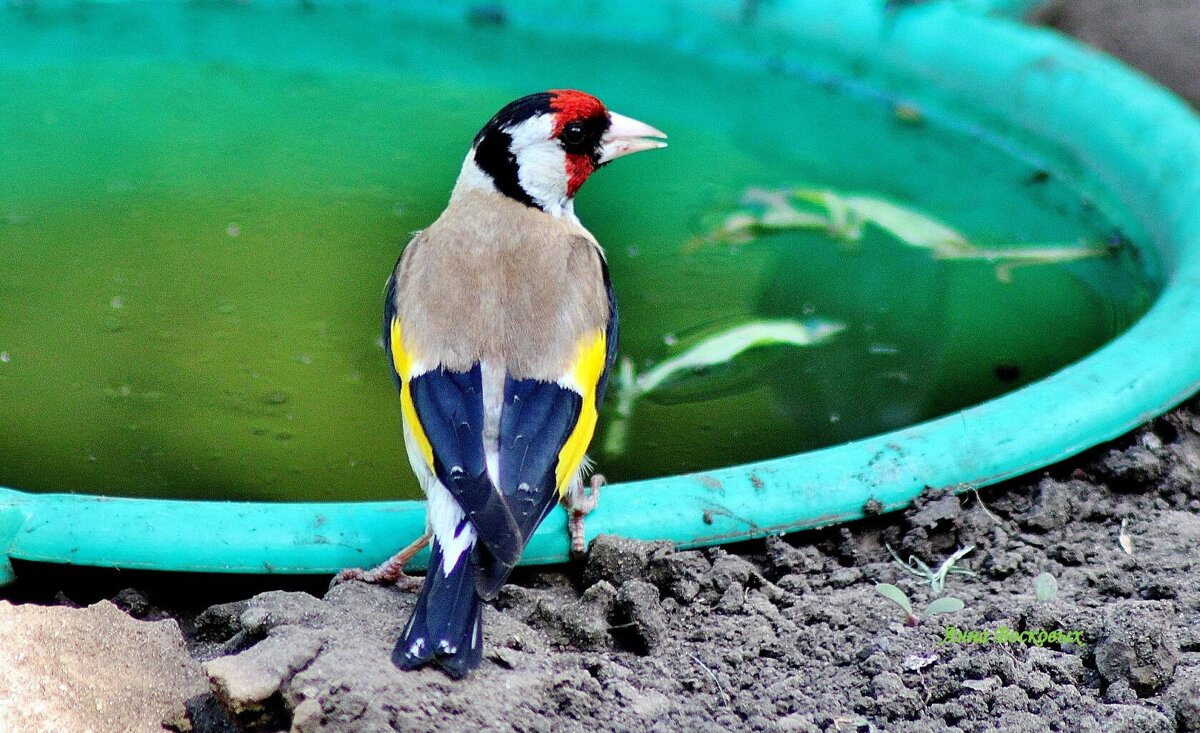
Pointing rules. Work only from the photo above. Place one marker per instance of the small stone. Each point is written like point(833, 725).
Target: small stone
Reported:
point(1184, 697)
point(892, 697)
point(987, 684)
point(732, 599)
point(585, 624)
point(845, 577)
point(503, 656)
point(1053, 507)
point(617, 560)
point(246, 683)
point(276, 608)
point(932, 508)
point(783, 558)
point(1063, 668)
point(1137, 645)
point(1132, 469)
point(132, 602)
point(1132, 718)
point(680, 574)
point(729, 569)
point(639, 617)
point(875, 663)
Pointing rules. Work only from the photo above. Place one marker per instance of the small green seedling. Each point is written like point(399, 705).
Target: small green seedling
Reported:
point(948, 604)
point(1045, 587)
point(935, 578)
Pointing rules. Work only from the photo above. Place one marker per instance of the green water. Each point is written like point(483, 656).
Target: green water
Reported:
point(194, 237)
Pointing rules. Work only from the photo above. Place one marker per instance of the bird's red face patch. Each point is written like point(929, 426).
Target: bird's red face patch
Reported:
point(572, 106)
point(574, 111)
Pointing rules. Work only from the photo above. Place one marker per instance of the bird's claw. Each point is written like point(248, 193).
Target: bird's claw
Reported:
point(381, 575)
point(580, 504)
point(388, 572)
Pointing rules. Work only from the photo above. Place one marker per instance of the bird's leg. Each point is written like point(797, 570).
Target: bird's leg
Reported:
point(391, 571)
point(579, 505)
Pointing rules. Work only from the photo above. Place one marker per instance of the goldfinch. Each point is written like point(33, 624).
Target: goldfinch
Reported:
point(501, 327)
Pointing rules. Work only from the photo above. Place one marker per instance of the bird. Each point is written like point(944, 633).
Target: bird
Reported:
point(500, 324)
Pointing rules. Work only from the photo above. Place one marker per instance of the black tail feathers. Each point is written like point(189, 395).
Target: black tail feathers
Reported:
point(447, 622)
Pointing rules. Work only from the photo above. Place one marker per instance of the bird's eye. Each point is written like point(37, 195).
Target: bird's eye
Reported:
point(573, 133)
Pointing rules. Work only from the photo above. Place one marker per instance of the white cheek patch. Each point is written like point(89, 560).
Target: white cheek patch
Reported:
point(541, 163)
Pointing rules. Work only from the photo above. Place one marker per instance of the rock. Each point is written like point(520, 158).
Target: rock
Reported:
point(1062, 668)
point(133, 602)
point(245, 684)
point(1053, 507)
point(218, 630)
point(639, 617)
point(278, 608)
point(732, 599)
point(845, 577)
point(932, 508)
point(680, 575)
point(892, 698)
point(728, 569)
point(1134, 469)
point(1137, 645)
point(617, 560)
point(1183, 696)
point(1136, 719)
point(92, 669)
point(585, 623)
point(783, 558)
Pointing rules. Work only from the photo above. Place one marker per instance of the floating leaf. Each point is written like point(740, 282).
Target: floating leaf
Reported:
point(947, 604)
point(1045, 587)
point(895, 595)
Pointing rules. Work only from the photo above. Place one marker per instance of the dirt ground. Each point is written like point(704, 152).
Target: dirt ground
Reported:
point(785, 634)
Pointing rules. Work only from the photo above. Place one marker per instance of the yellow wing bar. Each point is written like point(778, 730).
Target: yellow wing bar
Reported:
point(584, 376)
point(402, 363)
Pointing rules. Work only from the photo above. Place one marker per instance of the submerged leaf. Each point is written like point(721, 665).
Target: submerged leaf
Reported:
point(907, 224)
point(727, 345)
point(718, 349)
point(844, 217)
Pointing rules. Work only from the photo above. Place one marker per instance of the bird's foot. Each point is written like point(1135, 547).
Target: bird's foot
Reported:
point(579, 504)
point(388, 572)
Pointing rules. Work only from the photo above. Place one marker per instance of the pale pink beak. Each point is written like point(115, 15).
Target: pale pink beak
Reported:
point(626, 135)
